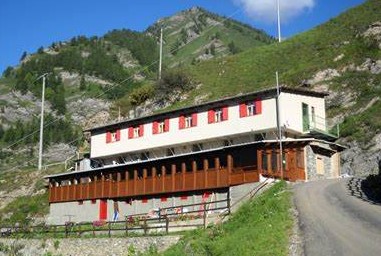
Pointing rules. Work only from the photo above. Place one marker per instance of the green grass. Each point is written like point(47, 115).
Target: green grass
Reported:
point(260, 227)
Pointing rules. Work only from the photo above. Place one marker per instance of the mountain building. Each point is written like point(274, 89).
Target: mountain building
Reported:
point(182, 156)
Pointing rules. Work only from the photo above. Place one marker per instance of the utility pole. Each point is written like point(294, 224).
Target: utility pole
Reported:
point(161, 51)
point(278, 11)
point(278, 124)
point(41, 123)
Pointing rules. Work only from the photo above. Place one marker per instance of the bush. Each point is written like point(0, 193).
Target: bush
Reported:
point(173, 81)
point(141, 94)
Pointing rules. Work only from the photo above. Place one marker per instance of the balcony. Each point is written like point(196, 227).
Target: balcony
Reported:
point(318, 127)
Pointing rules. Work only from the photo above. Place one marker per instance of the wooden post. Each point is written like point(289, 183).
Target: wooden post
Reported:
point(163, 178)
point(166, 224)
point(145, 226)
point(183, 170)
point(66, 230)
point(126, 226)
point(79, 230)
point(103, 185)
point(93, 230)
point(154, 178)
point(228, 202)
point(204, 215)
point(194, 170)
point(126, 182)
point(230, 167)
point(118, 179)
point(217, 167)
point(110, 184)
point(135, 179)
point(109, 229)
point(205, 168)
point(95, 186)
point(144, 180)
point(173, 173)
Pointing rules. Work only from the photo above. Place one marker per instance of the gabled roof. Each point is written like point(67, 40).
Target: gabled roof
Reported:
point(266, 93)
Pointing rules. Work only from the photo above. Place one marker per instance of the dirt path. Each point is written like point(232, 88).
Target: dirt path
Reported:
point(335, 223)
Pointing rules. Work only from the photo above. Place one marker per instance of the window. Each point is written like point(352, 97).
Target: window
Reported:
point(184, 197)
point(80, 202)
point(300, 158)
point(217, 115)
point(93, 201)
point(250, 108)
point(188, 121)
point(160, 126)
point(136, 131)
point(144, 200)
point(113, 136)
point(264, 161)
point(163, 199)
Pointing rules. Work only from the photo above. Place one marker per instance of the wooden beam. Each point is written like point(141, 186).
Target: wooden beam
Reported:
point(217, 166)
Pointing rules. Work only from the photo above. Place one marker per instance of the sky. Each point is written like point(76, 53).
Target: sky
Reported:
point(26, 25)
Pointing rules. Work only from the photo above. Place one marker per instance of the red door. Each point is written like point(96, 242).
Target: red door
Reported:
point(103, 210)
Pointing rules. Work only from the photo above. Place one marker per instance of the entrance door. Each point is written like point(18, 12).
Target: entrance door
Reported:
point(306, 117)
point(103, 209)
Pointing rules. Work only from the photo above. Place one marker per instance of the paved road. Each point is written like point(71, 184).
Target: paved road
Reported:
point(335, 223)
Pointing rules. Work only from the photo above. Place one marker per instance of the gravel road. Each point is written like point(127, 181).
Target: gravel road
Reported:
point(334, 222)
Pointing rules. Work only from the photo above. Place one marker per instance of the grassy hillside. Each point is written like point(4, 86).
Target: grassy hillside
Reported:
point(260, 227)
point(337, 44)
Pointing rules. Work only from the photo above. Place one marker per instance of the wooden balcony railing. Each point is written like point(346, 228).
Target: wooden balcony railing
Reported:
point(155, 184)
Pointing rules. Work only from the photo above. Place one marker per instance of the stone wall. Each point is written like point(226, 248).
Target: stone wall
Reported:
point(328, 164)
point(87, 246)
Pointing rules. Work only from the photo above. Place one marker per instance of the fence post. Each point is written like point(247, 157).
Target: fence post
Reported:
point(204, 215)
point(145, 226)
point(166, 224)
point(228, 201)
point(79, 229)
point(66, 230)
point(126, 226)
point(109, 229)
point(93, 230)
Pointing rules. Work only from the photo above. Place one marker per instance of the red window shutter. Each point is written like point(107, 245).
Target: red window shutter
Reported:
point(108, 137)
point(242, 110)
point(117, 135)
point(225, 112)
point(130, 132)
point(258, 106)
point(144, 200)
point(155, 127)
point(181, 122)
point(211, 116)
point(141, 130)
point(166, 125)
point(184, 197)
point(194, 119)
point(163, 199)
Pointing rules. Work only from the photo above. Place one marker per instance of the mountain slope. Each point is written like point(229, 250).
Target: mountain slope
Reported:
point(341, 56)
point(196, 35)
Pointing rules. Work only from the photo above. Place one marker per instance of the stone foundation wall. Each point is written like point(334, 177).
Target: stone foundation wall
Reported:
point(87, 246)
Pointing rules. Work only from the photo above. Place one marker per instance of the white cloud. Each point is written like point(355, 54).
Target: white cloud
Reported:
point(266, 10)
